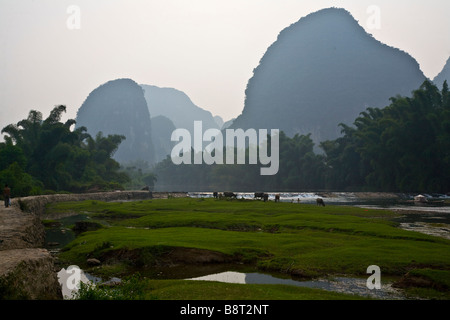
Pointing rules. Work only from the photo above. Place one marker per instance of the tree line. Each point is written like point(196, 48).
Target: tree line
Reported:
point(45, 156)
point(404, 147)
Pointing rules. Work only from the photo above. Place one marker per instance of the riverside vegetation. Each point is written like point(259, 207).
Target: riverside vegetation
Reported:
point(300, 240)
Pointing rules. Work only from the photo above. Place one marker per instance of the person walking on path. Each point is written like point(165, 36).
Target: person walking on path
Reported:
point(7, 195)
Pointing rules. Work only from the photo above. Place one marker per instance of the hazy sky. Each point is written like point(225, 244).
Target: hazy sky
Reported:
point(50, 55)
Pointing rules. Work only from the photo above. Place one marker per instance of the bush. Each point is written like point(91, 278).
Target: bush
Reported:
point(131, 288)
point(20, 182)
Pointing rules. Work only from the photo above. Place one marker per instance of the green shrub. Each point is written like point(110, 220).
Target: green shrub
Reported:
point(131, 288)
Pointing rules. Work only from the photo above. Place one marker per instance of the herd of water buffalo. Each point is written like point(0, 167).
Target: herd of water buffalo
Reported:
point(259, 195)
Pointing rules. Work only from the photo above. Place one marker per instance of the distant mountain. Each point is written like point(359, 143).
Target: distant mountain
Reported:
point(228, 123)
point(219, 121)
point(177, 106)
point(119, 107)
point(321, 71)
point(443, 75)
point(162, 128)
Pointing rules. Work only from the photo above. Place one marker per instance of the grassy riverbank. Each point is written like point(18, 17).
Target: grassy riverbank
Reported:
point(297, 239)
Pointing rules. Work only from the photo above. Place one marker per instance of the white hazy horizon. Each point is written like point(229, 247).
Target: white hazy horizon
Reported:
point(50, 55)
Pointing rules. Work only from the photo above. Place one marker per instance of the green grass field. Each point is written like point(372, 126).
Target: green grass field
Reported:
point(299, 239)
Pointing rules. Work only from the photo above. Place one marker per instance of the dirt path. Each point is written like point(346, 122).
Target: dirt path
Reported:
point(19, 230)
point(26, 270)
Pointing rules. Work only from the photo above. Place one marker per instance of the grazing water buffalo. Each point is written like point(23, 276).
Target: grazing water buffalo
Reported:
point(215, 195)
point(277, 197)
point(230, 195)
point(320, 202)
point(262, 195)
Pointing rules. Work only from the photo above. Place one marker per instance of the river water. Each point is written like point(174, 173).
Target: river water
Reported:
point(348, 285)
point(378, 200)
point(340, 284)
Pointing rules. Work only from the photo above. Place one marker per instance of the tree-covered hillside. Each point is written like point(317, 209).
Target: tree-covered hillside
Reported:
point(403, 147)
point(323, 70)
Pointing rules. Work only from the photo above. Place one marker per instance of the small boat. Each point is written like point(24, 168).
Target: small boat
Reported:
point(421, 199)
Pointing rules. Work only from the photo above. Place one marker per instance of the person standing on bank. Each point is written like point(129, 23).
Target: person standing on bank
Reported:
point(7, 195)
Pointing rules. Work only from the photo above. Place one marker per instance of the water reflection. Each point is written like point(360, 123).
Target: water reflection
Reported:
point(59, 234)
point(346, 285)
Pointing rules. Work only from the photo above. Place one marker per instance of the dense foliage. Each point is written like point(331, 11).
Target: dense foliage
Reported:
point(43, 155)
point(403, 147)
point(300, 169)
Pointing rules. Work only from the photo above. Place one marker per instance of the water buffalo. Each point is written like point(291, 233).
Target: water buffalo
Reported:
point(215, 195)
point(230, 195)
point(262, 195)
point(259, 195)
point(320, 202)
point(277, 197)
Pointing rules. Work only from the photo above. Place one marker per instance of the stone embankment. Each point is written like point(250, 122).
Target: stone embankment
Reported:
point(27, 270)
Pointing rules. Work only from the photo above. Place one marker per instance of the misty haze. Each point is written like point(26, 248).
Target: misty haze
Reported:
point(162, 147)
